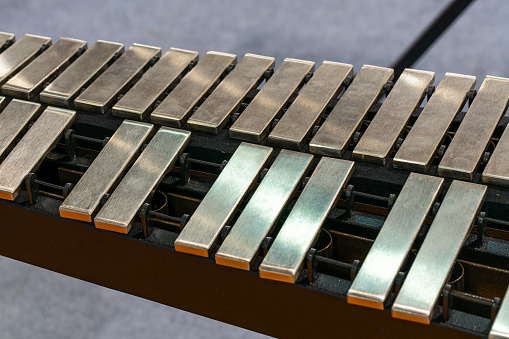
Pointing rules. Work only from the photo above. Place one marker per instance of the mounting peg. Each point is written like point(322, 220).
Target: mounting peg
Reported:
point(481, 229)
point(471, 96)
point(146, 220)
point(311, 264)
point(268, 73)
point(495, 307)
point(185, 168)
point(67, 189)
point(224, 232)
point(356, 265)
point(32, 188)
point(447, 302)
point(430, 91)
point(70, 144)
point(350, 202)
point(267, 242)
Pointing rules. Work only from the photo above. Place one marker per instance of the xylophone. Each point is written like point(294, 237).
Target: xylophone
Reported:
point(322, 203)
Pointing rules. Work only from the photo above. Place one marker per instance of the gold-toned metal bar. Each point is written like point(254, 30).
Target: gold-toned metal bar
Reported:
point(102, 93)
point(285, 258)
point(139, 101)
point(141, 180)
point(253, 124)
point(31, 150)
point(219, 205)
point(66, 87)
point(421, 144)
point(20, 54)
point(214, 113)
point(500, 327)
point(241, 246)
point(419, 294)
point(29, 82)
point(13, 121)
point(83, 201)
point(377, 143)
point(336, 132)
point(179, 104)
point(464, 153)
point(294, 128)
point(6, 39)
point(387, 255)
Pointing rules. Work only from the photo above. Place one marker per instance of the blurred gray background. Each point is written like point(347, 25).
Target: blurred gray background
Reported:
point(36, 303)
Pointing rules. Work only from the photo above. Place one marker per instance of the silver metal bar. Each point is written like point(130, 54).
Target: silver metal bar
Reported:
point(472, 137)
point(83, 201)
point(262, 212)
point(377, 143)
point(20, 54)
point(500, 327)
point(4, 37)
point(219, 205)
point(66, 87)
point(29, 82)
point(421, 144)
point(14, 120)
point(294, 128)
point(179, 104)
point(103, 92)
point(253, 124)
point(419, 294)
point(140, 182)
point(497, 170)
point(285, 258)
point(336, 132)
point(387, 255)
point(215, 112)
point(139, 101)
point(31, 150)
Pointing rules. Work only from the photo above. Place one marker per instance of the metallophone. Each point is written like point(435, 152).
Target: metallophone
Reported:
point(320, 204)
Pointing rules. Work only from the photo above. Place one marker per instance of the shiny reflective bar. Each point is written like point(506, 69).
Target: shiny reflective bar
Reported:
point(472, 137)
point(139, 101)
point(215, 112)
point(262, 212)
point(336, 132)
point(294, 128)
point(430, 271)
point(20, 54)
point(377, 143)
point(421, 144)
point(6, 38)
point(13, 121)
point(285, 258)
point(253, 124)
point(500, 327)
point(179, 104)
point(31, 150)
point(140, 182)
point(83, 201)
point(103, 92)
point(387, 255)
point(66, 87)
point(29, 82)
point(219, 205)
point(497, 170)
